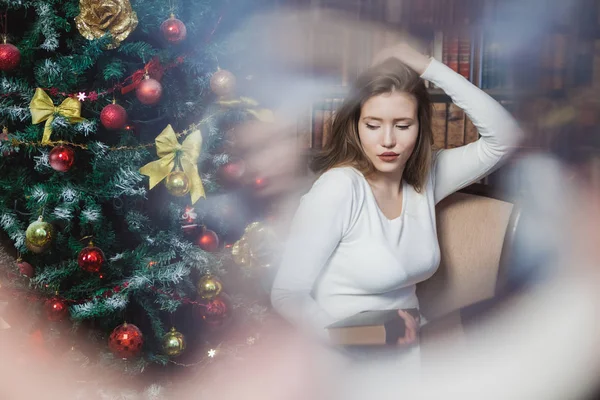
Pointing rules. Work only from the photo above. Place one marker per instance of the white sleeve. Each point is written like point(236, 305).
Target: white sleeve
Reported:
point(323, 217)
point(456, 168)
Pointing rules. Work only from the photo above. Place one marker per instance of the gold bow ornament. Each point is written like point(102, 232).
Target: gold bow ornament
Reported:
point(251, 107)
point(256, 248)
point(172, 156)
point(43, 109)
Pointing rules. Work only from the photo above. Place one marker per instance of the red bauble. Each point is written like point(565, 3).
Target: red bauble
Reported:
point(173, 30)
point(126, 341)
point(56, 309)
point(62, 158)
point(149, 91)
point(113, 116)
point(91, 259)
point(10, 57)
point(208, 240)
point(26, 269)
point(215, 312)
point(233, 171)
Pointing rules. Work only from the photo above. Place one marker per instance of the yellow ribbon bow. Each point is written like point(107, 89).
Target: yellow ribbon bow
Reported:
point(43, 109)
point(170, 152)
point(262, 114)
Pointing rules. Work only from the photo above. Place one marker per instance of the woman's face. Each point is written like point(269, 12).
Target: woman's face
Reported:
point(388, 129)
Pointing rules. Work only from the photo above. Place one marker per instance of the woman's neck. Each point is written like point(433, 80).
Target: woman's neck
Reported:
point(386, 182)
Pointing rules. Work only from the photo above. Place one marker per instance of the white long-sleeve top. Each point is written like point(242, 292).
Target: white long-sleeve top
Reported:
point(343, 256)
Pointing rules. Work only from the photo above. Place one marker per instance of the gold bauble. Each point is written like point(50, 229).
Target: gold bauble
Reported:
point(39, 236)
point(222, 83)
point(173, 343)
point(209, 287)
point(34, 249)
point(256, 247)
point(177, 183)
point(97, 17)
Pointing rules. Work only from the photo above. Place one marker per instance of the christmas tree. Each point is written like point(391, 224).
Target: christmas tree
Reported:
point(115, 168)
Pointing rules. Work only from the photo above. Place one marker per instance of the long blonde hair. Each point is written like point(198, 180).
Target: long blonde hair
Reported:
point(344, 148)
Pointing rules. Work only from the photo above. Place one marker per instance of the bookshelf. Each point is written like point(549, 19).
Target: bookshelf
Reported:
point(530, 56)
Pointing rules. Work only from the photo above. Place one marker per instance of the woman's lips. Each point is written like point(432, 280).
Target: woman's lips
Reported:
point(388, 157)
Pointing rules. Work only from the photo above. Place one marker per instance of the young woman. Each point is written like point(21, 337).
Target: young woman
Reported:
point(365, 233)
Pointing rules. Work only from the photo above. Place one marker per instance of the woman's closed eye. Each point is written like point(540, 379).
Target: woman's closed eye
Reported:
point(374, 127)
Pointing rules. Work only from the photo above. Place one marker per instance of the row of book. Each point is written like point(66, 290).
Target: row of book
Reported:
point(485, 60)
point(425, 12)
point(478, 39)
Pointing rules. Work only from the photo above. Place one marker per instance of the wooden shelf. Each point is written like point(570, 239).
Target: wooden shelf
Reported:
point(438, 95)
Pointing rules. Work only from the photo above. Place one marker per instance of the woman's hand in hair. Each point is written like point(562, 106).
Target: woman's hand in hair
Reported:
point(405, 53)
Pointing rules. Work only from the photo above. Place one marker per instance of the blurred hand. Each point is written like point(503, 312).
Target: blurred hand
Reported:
point(412, 328)
point(271, 156)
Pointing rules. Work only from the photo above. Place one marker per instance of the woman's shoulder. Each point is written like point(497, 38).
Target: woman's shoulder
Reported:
point(338, 185)
point(345, 179)
point(339, 189)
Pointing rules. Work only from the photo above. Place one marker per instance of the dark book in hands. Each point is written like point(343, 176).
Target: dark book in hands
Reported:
point(370, 328)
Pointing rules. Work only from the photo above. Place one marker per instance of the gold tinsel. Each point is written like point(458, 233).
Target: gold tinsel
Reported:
point(256, 247)
point(96, 17)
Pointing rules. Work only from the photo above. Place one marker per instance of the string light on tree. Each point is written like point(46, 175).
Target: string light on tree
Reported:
point(130, 128)
point(260, 183)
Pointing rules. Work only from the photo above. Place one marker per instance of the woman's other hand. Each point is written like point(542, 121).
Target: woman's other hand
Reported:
point(412, 328)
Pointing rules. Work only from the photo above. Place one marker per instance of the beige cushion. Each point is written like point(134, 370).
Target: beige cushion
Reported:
point(471, 232)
